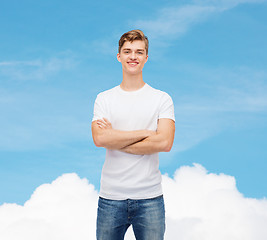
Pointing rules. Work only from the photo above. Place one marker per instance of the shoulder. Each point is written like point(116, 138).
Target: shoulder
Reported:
point(107, 93)
point(158, 93)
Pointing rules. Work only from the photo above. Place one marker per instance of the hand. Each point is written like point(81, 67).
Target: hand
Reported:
point(104, 123)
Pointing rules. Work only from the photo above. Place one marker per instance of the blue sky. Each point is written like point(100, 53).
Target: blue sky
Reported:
point(210, 56)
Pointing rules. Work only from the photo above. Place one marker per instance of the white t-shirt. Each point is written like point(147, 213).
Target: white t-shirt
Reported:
point(124, 175)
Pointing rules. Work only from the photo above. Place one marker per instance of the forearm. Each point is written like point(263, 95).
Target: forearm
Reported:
point(115, 139)
point(162, 141)
point(149, 145)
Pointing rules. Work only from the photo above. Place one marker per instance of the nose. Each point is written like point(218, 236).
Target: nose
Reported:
point(133, 55)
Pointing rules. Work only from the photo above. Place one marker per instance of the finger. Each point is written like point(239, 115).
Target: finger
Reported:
point(106, 120)
point(108, 123)
point(102, 124)
point(100, 121)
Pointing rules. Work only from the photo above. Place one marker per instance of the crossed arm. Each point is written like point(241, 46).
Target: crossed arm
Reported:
point(135, 142)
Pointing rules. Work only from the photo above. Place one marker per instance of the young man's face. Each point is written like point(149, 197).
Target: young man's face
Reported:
point(133, 57)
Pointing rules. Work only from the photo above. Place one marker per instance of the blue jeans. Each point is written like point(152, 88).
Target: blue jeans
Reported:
point(147, 217)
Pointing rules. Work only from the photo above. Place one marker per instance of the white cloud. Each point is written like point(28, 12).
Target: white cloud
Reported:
point(64, 209)
point(225, 98)
point(172, 22)
point(35, 114)
point(18, 63)
point(199, 205)
point(226, 4)
point(203, 205)
point(36, 69)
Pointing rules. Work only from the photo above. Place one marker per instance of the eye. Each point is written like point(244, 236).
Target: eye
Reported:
point(140, 53)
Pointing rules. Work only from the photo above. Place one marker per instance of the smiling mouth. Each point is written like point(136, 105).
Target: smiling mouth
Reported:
point(132, 63)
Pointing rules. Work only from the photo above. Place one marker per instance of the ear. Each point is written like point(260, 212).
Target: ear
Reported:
point(119, 57)
point(146, 58)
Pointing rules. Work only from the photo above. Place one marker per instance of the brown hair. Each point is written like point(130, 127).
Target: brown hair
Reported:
point(132, 36)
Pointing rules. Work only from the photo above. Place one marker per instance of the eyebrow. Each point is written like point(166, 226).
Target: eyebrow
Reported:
point(127, 49)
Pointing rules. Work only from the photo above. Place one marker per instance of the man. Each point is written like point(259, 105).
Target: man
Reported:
point(134, 122)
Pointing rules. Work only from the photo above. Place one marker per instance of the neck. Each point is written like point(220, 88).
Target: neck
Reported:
point(132, 82)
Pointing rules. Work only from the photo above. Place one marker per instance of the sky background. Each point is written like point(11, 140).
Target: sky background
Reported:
point(56, 56)
point(210, 56)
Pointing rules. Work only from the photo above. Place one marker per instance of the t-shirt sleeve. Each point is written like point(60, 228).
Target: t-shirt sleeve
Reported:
point(167, 107)
point(99, 108)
